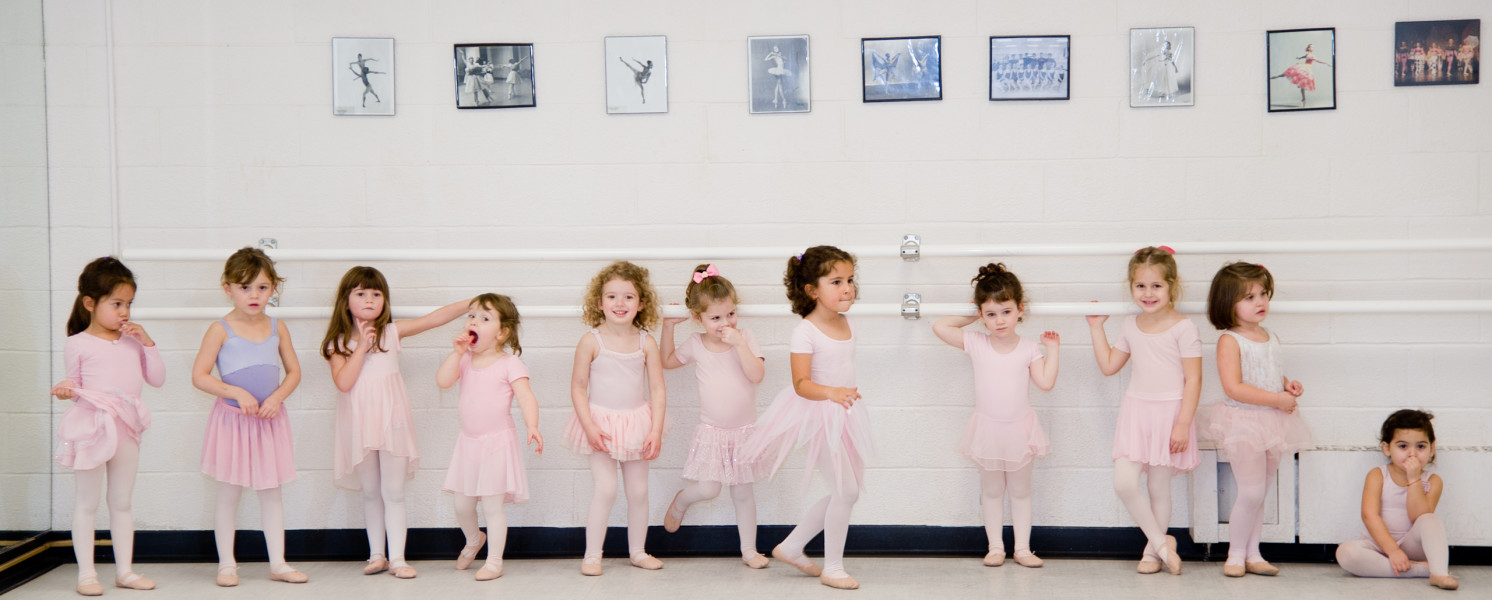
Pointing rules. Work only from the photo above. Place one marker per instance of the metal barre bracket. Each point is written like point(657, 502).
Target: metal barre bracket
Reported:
point(271, 244)
point(911, 247)
point(911, 306)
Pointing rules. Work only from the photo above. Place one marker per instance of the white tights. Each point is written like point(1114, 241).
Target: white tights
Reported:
point(1253, 472)
point(995, 484)
point(831, 515)
point(635, 481)
point(497, 523)
point(382, 477)
point(1152, 514)
point(272, 515)
point(121, 475)
point(1424, 542)
point(745, 500)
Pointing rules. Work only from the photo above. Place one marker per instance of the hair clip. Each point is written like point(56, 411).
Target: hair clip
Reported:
point(800, 257)
point(709, 271)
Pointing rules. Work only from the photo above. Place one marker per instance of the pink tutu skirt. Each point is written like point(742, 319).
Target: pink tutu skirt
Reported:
point(491, 465)
point(628, 430)
point(376, 418)
point(1301, 76)
point(91, 430)
point(248, 451)
point(1240, 431)
point(717, 454)
point(821, 427)
point(997, 445)
point(1143, 434)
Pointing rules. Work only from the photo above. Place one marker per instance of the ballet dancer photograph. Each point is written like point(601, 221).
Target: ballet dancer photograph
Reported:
point(1302, 69)
point(363, 76)
point(777, 69)
point(495, 75)
point(637, 74)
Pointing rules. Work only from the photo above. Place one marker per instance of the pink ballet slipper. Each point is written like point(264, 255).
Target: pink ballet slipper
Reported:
point(489, 571)
point(800, 561)
point(469, 553)
point(133, 581)
point(228, 576)
point(88, 586)
point(756, 560)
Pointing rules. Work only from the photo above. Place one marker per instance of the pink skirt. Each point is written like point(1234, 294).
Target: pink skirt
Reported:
point(375, 419)
point(1301, 76)
point(91, 430)
point(491, 465)
point(1241, 431)
point(716, 454)
point(821, 427)
point(248, 451)
point(628, 430)
point(1143, 434)
point(997, 445)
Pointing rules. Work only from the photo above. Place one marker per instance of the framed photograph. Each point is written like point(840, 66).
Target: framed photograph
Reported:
point(495, 76)
point(363, 76)
point(1030, 67)
point(637, 74)
point(901, 68)
point(1437, 52)
point(777, 73)
point(1302, 69)
point(1161, 71)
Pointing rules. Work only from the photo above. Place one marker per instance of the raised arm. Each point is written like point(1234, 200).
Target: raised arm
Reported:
point(450, 368)
point(752, 365)
point(1110, 359)
point(670, 360)
point(950, 329)
point(345, 369)
point(436, 318)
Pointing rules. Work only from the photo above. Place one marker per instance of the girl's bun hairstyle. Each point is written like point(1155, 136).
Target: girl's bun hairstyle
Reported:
point(805, 269)
point(995, 283)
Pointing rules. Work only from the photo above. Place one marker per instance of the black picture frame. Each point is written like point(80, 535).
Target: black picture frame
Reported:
point(496, 75)
point(901, 69)
point(1030, 67)
point(1295, 79)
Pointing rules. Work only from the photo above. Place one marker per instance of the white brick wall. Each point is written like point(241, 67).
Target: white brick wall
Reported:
point(225, 136)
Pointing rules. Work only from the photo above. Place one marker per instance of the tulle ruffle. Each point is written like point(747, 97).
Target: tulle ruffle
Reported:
point(718, 454)
point(628, 430)
point(997, 445)
point(821, 427)
point(1245, 431)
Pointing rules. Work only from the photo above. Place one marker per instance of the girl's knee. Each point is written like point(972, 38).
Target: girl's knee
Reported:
point(1430, 521)
point(709, 489)
point(742, 493)
point(393, 494)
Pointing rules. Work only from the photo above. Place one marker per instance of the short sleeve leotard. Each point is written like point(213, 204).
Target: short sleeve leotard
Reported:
point(1152, 403)
point(727, 410)
point(488, 459)
point(1003, 434)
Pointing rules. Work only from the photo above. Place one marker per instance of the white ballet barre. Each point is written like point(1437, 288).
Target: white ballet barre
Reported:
point(865, 309)
point(911, 249)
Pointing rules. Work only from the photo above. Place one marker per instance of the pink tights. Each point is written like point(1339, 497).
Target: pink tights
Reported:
point(272, 515)
point(995, 485)
point(382, 478)
point(1253, 472)
point(745, 500)
point(831, 515)
point(1424, 542)
point(1152, 513)
point(90, 484)
point(635, 481)
point(497, 523)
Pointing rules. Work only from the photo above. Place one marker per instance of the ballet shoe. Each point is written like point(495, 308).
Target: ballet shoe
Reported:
point(840, 583)
point(995, 557)
point(1026, 558)
point(288, 575)
point(801, 562)
point(133, 581)
point(1444, 582)
point(643, 560)
point(674, 517)
point(88, 586)
point(756, 560)
point(1148, 566)
point(1172, 560)
point(228, 576)
point(1232, 570)
point(469, 553)
point(376, 565)
point(489, 571)
point(403, 572)
point(590, 566)
point(1259, 567)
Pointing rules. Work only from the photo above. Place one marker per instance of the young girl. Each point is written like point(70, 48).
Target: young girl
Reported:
point(729, 366)
point(248, 443)
point(617, 389)
point(820, 410)
point(107, 359)
point(375, 448)
point(487, 464)
point(1405, 537)
point(1003, 436)
point(1155, 433)
point(1256, 425)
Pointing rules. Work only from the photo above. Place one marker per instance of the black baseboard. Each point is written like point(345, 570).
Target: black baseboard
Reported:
point(1120, 543)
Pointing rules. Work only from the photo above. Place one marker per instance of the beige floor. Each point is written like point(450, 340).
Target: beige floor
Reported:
point(722, 579)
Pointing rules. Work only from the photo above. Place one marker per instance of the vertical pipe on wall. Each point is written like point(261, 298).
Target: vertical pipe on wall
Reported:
point(116, 248)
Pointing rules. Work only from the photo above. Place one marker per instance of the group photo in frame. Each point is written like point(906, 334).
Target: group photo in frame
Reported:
point(1302, 72)
point(1036, 67)
point(1437, 52)
point(363, 76)
point(495, 76)
point(777, 74)
point(898, 69)
point(637, 74)
point(1161, 67)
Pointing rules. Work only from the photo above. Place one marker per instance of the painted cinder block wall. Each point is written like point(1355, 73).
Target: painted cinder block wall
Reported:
point(225, 135)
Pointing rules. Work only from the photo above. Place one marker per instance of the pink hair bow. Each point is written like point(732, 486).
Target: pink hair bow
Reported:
point(1167, 249)
point(710, 271)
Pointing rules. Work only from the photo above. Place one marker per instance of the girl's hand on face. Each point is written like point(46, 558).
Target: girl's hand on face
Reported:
point(368, 336)
point(845, 397)
point(63, 390)
point(1295, 388)
point(732, 336)
point(1180, 436)
point(1051, 340)
point(134, 330)
point(1413, 468)
point(460, 344)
